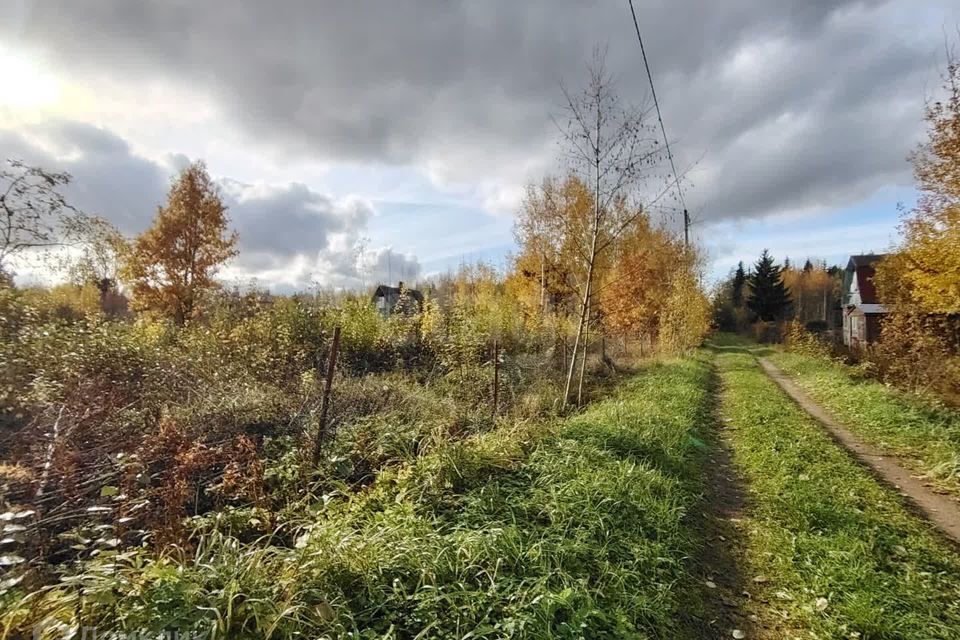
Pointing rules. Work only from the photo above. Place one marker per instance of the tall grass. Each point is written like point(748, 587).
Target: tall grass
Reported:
point(580, 528)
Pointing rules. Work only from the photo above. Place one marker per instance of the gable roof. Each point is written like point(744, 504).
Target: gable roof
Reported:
point(386, 291)
point(865, 260)
point(861, 268)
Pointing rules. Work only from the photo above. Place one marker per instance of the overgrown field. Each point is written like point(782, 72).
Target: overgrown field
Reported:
point(573, 528)
point(832, 551)
point(925, 434)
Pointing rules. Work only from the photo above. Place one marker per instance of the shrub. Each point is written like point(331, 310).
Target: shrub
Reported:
point(798, 338)
point(916, 352)
point(768, 332)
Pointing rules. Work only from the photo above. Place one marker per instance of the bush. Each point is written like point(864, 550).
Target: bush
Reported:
point(186, 422)
point(768, 332)
point(919, 353)
point(798, 338)
point(527, 530)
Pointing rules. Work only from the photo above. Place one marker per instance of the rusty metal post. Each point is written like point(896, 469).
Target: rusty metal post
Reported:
point(325, 401)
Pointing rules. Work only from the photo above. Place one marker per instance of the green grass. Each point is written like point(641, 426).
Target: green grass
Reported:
point(927, 436)
point(583, 528)
point(842, 556)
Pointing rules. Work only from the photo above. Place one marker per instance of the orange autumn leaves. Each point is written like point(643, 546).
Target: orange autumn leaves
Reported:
point(646, 283)
point(171, 266)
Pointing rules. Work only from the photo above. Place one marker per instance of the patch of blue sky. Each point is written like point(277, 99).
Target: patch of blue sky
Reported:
point(869, 226)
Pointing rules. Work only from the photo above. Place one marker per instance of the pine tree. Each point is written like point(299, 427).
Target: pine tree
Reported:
point(769, 297)
point(739, 279)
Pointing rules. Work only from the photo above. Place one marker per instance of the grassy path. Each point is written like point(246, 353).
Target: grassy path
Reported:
point(940, 510)
point(924, 435)
point(828, 550)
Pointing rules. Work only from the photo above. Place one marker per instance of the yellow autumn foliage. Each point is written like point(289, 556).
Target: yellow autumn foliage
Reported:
point(924, 274)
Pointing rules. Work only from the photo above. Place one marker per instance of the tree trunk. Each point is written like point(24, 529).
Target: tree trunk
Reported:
point(583, 359)
point(584, 306)
point(543, 285)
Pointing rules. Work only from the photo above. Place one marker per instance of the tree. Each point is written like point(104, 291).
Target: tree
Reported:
point(769, 297)
point(924, 274)
point(812, 290)
point(739, 279)
point(34, 214)
point(606, 146)
point(920, 282)
point(99, 263)
point(172, 265)
point(550, 226)
point(634, 296)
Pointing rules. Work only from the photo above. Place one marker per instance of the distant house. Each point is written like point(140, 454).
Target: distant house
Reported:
point(397, 299)
point(862, 310)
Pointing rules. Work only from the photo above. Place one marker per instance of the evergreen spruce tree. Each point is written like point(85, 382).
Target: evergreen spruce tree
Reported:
point(739, 279)
point(769, 297)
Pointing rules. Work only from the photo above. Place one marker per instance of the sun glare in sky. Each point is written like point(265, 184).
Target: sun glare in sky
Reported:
point(26, 84)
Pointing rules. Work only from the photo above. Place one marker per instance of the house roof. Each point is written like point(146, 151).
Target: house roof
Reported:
point(865, 260)
point(870, 308)
point(862, 267)
point(384, 291)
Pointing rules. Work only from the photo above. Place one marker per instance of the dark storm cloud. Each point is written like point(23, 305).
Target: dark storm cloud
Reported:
point(291, 218)
point(109, 180)
point(286, 231)
point(781, 104)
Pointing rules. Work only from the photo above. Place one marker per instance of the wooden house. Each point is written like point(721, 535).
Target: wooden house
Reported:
point(862, 310)
point(397, 299)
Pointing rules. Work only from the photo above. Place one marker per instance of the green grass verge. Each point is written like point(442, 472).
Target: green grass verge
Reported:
point(841, 555)
point(925, 435)
point(585, 528)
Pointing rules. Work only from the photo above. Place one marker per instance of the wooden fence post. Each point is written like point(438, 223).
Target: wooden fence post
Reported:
point(325, 401)
point(496, 376)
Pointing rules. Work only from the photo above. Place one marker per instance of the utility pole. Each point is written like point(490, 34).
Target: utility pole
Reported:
point(686, 228)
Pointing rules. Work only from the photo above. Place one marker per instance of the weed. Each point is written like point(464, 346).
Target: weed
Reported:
point(580, 528)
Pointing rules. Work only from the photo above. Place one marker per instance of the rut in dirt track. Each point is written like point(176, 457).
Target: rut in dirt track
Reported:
point(728, 601)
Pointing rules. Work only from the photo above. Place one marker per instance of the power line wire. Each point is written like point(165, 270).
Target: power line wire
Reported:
point(663, 130)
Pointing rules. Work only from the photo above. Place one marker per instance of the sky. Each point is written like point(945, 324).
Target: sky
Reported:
point(362, 142)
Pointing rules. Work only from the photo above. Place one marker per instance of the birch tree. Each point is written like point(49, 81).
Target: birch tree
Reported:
point(611, 148)
point(34, 213)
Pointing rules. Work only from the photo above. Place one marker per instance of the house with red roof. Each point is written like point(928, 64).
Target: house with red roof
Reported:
point(863, 312)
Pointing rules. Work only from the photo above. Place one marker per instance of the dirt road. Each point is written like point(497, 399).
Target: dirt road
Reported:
point(939, 510)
